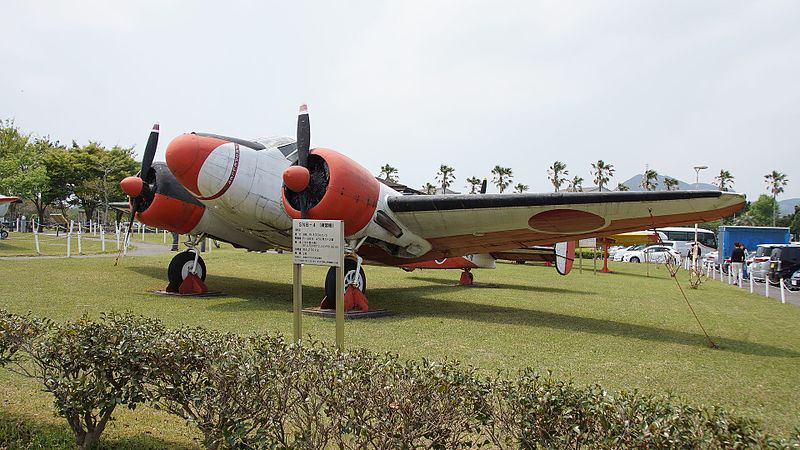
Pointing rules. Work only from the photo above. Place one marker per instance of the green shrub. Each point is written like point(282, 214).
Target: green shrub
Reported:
point(18, 333)
point(265, 392)
point(91, 367)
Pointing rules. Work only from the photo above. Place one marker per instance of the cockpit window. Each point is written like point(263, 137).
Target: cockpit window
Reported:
point(289, 150)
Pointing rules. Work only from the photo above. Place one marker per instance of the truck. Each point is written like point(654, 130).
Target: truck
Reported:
point(750, 237)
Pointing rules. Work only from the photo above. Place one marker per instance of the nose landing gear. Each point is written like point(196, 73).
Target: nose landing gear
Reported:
point(187, 270)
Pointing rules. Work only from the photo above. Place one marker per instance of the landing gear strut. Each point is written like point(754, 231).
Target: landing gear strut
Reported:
point(187, 270)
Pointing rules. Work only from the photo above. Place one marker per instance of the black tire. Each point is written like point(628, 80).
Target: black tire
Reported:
point(181, 264)
point(3, 234)
point(349, 271)
point(634, 259)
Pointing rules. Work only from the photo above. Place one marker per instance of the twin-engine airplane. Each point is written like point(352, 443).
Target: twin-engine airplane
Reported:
point(246, 192)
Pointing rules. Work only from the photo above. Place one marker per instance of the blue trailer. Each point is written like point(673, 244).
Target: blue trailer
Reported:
point(750, 237)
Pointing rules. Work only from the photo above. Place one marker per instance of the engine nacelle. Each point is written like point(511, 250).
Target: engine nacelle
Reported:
point(170, 206)
point(339, 189)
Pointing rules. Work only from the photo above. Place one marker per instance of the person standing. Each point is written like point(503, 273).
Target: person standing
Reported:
point(737, 260)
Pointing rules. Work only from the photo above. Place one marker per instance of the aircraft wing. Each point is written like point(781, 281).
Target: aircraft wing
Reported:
point(464, 224)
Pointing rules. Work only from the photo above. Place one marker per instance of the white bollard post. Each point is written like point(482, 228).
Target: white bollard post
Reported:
point(35, 238)
point(783, 295)
point(209, 244)
point(751, 283)
point(102, 239)
point(729, 275)
point(17, 229)
point(69, 239)
point(126, 241)
point(116, 230)
point(165, 236)
point(80, 250)
point(141, 230)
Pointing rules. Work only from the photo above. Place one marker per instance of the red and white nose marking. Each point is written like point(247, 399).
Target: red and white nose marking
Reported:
point(186, 155)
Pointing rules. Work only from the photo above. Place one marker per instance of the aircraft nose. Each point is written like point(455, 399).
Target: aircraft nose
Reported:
point(186, 155)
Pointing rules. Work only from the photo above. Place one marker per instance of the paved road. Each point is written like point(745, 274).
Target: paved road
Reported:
point(792, 297)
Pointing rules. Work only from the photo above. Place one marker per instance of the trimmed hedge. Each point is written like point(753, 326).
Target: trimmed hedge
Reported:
point(265, 392)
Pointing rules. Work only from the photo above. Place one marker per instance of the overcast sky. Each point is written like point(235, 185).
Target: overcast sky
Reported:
point(667, 84)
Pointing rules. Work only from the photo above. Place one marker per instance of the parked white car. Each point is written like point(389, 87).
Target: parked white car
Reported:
point(653, 254)
point(619, 255)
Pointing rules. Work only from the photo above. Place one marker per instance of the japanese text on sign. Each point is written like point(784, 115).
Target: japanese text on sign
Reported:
point(317, 242)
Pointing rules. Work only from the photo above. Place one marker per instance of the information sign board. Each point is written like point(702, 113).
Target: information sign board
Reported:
point(317, 242)
point(588, 243)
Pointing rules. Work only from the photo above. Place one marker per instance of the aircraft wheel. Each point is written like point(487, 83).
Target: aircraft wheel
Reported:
point(181, 265)
point(3, 234)
point(635, 260)
point(349, 274)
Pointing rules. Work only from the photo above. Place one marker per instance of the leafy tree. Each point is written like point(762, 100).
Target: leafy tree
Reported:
point(759, 212)
point(445, 176)
point(474, 185)
point(776, 181)
point(520, 188)
point(388, 173)
point(502, 178)
point(621, 187)
point(557, 174)
point(794, 228)
point(670, 184)
point(22, 167)
point(100, 170)
point(650, 180)
point(576, 184)
point(724, 181)
point(429, 189)
point(602, 173)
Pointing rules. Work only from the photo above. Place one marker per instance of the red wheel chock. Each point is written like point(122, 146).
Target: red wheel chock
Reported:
point(466, 279)
point(353, 299)
point(192, 284)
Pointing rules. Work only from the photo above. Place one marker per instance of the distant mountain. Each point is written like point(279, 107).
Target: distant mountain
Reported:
point(635, 184)
point(787, 206)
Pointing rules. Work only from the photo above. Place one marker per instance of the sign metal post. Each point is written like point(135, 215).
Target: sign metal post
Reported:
point(320, 243)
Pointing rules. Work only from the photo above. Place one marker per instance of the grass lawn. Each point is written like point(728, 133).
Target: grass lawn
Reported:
point(625, 330)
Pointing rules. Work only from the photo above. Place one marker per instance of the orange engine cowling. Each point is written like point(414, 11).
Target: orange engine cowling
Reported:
point(168, 204)
point(339, 189)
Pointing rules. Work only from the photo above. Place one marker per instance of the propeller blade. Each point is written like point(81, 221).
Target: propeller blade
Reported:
point(483, 186)
point(303, 136)
point(149, 152)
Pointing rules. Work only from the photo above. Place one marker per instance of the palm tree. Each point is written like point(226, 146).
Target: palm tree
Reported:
point(775, 184)
point(520, 188)
point(474, 185)
point(650, 180)
point(429, 189)
point(602, 173)
point(502, 177)
point(576, 184)
point(670, 184)
point(388, 173)
point(724, 180)
point(445, 176)
point(557, 174)
point(622, 188)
